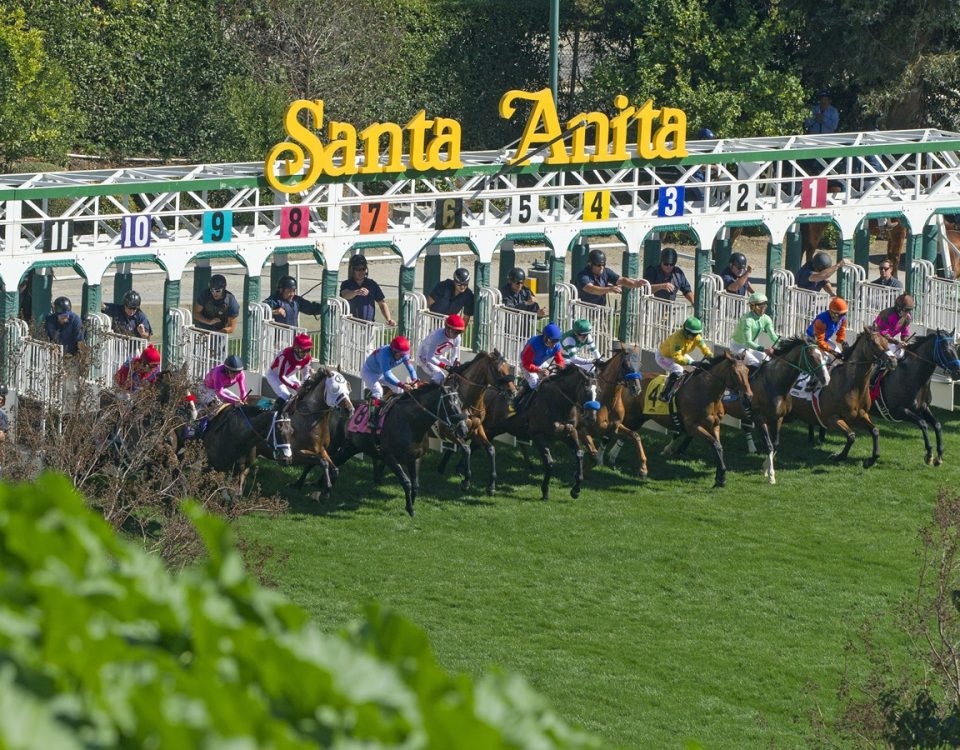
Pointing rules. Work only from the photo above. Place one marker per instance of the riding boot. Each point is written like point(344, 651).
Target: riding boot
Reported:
point(375, 405)
point(668, 387)
point(513, 405)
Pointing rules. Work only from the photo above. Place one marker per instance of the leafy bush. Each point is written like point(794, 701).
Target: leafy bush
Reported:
point(101, 647)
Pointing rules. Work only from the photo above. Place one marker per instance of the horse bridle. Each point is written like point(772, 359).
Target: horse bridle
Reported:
point(587, 405)
point(443, 408)
point(498, 384)
point(271, 435)
point(939, 358)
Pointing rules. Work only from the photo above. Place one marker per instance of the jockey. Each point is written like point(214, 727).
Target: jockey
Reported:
point(833, 321)
point(749, 327)
point(376, 370)
point(675, 350)
point(289, 366)
point(138, 371)
point(578, 345)
point(217, 383)
point(537, 351)
point(895, 322)
point(441, 349)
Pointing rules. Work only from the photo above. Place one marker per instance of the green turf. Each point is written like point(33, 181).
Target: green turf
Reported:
point(647, 613)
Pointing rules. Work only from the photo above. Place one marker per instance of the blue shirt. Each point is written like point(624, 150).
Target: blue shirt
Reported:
point(803, 279)
point(655, 275)
point(522, 300)
point(292, 308)
point(363, 307)
point(447, 302)
point(728, 279)
point(605, 278)
point(224, 310)
point(829, 323)
point(831, 119)
point(382, 361)
point(541, 352)
point(126, 324)
point(67, 335)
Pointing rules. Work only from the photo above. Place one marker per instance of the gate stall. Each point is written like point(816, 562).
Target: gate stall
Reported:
point(109, 350)
point(195, 349)
point(721, 310)
point(267, 338)
point(355, 338)
point(510, 329)
point(794, 308)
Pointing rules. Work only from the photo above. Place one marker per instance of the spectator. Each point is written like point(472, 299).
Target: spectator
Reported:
point(287, 305)
point(736, 276)
point(64, 327)
point(666, 279)
point(518, 297)
point(4, 419)
point(596, 281)
point(127, 317)
point(886, 276)
point(216, 309)
point(815, 274)
point(362, 292)
point(824, 117)
point(452, 296)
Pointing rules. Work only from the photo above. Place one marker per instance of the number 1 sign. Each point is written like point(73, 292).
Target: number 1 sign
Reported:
point(813, 193)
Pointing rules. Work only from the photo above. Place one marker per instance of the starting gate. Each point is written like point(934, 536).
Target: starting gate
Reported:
point(420, 321)
point(865, 300)
point(510, 329)
point(109, 349)
point(651, 319)
point(193, 348)
point(721, 309)
point(602, 319)
point(356, 338)
point(794, 308)
point(938, 300)
point(268, 338)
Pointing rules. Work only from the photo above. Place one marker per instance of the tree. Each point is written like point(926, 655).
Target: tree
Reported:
point(37, 117)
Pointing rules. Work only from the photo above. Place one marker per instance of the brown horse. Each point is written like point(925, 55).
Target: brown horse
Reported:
point(896, 241)
point(473, 379)
point(845, 400)
point(698, 403)
point(617, 375)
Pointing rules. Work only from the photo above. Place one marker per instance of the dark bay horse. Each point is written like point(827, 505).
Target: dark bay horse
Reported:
point(401, 442)
point(699, 405)
point(771, 384)
point(617, 375)
point(904, 393)
point(235, 432)
point(485, 372)
point(845, 401)
point(309, 410)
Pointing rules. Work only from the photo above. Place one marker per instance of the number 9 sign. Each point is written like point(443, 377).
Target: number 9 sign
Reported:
point(217, 226)
point(670, 201)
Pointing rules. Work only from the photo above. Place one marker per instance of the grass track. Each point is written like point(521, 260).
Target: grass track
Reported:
point(647, 613)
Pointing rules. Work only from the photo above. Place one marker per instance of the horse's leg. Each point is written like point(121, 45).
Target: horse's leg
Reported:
point(487, 443)
point(713, 437)
point(768, 470)
point(303, 477)
point(413, 471)
point(921, 422)
point(864, 419)
point(397, 468)
point(937, 431)
point(378, 466)
point(467, 465)
point(851, 437)
point(444, 460)
point(642, 470)
point(541, 445)
point(684, 444)
point(573, 440)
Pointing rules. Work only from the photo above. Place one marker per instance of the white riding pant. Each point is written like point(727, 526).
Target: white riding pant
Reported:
point(375, 382)
point(668, 364)
point(532, 378)
point(283, 391)
point(753, 357)
point(895, 349)
point(434, 373)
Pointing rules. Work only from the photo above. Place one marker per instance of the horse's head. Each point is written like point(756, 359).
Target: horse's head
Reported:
point(630, 365)
point(587, 394)
point(945, 353)
point(505, 381)
point(738, 377)
point(875, 348)
point(281, 438)
point(803, 354)
point(450, 411)
point(336, 392)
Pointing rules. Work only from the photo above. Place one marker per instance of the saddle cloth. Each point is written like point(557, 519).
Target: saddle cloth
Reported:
point(799, 388)
point(652, 405)
point(360, 421)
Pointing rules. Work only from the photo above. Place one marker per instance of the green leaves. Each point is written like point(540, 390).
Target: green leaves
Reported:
point(101, 647)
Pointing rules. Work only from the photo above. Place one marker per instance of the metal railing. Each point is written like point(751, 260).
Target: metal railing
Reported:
point(937, 300)
point(355, 339)
point(268, 338)
point(795, 308)
point(510, 329)
point(109, 349)
point(649, 319)
point(198, 350)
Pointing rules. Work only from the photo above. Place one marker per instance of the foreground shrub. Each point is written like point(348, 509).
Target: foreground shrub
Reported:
point(101, 647)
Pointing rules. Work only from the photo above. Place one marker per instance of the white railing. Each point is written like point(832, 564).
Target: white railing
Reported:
point(194, 348)
point(940, 306)
point(355, 339)
point(795, 308)
point(510, 329)
point(109, 349)
point(566, 295)
point(268, 338)
point(602, 320)
point(422, 322)
point(649, 319)
point(721, 309)
point(851, 279)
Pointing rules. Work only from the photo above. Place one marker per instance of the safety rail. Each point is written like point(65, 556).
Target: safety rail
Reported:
point(195, 349)
point(602, 319)
point(109, 349)
point(649, 319)
point(510, 329)
point(565, 295)
point(795, 308)
point(268, 338)
point(422, 322)
point(722, 310)
point(355, 339)
point(937, 300)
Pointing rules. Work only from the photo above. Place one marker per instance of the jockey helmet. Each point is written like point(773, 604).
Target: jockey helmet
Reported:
point(669, 256)
point(217, 282)
point(287, 282)
point(739, 260)
point(692, 325)
point(62, 305)
point(905, 303)
point(150, 355)
point(3, 391)
point(705, 134)
point(582, 327)
point(461, 276)
point(455, 322)
point(517, 275)
point(597, 258)
point(131, 299)
point(757, 298)
point(358, 261)
point(400, 344)
point(303, 342)
point(820, 262)
point(552, 332)
point(838, 305)
point(233, 363)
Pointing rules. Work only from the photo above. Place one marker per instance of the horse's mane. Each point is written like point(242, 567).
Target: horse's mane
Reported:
point(787, 345)
point(317, 377)
point(919, 341)
point(708, 364)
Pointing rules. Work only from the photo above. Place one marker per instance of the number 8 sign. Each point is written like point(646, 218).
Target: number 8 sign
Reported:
point(294, 222)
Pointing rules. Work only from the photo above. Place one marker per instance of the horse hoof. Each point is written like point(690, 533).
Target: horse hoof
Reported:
point(868, 462)
point(643, 475)
point(574, 492)
point(928, 459)
point(410, 509)
point(938, 460)
point(773, 480)
point(720, 483)
point(491, 490)
point(836, 457)
point(464, 485)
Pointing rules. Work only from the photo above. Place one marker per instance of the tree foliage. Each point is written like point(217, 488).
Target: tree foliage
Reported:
point(101, 647)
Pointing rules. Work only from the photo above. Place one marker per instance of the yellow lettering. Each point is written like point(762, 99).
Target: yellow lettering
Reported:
point(673, 127)
point(314, 148)
point(418, 127)
point(342, 142)
point(619, 128)
point(370, 136)
point(544, 112)
point(579, 125)
point(446, 135)
point(646, 115)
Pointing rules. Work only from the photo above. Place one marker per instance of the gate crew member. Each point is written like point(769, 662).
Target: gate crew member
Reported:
point(441, 349)
point(578, 346)
point(136, 372)
point(746, 336)
point(128, 319)
point(815, 275)
point(64, 327)
point(832, 322)
point(516, 296)
point(666, 279)
point(376, 370)
point(596, 281)
point(453, 296)
point(216, 309)
point(290, 366)
point(675, 350)
point(361, 292)
point(736, 276)
point(894, 322)
point(287, 305)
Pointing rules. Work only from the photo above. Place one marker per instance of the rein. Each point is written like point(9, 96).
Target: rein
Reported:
point(939, 358)
point(442, 404)
point(271, 435)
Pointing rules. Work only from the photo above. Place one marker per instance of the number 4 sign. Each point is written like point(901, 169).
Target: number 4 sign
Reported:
point(813, 193)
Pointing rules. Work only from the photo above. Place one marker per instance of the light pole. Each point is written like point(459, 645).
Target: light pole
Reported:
point(554, 47)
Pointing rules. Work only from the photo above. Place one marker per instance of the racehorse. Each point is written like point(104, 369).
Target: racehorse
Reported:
point(619, 373)
point(771, 385)
point(845, 400)
point(698, 404)
point(905, 392)
point(473, 380)
point(235, 432)
point(309, 410)
point(401, 440)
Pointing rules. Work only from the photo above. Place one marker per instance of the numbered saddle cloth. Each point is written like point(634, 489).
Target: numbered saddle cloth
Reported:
point(652, 405)
point(801, 388)
point(360, 421)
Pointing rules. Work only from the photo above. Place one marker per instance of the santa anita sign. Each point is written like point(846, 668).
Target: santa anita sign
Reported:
point(434, 144)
